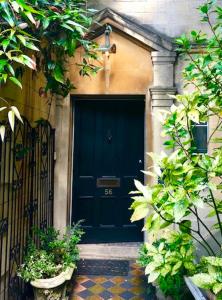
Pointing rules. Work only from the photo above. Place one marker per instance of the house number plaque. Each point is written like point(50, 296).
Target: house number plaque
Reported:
point(107, 186)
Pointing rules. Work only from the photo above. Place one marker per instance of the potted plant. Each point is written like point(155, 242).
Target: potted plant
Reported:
point(209, 276)
point(166, 261)
point(50, 264)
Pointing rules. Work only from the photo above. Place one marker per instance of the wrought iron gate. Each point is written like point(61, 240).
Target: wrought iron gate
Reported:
point(26, 197)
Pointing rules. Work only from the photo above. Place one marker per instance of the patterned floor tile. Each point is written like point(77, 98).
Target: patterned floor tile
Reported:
point(96, 289)
point(116, 290)
point(138, 290)
point(108, 284)
point(88, 284)
point(118, 279)
point(130, 287)
point(127, 295)
point(100, 279)
point(106, 295)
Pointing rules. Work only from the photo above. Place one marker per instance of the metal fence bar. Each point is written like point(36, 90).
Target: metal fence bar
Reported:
point(26, 197)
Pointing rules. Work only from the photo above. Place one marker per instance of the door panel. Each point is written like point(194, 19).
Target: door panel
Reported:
point(109, 143)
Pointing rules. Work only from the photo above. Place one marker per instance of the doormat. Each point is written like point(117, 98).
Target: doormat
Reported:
point(103, 267)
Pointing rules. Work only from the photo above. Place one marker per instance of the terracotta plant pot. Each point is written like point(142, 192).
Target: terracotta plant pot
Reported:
point(52, 288)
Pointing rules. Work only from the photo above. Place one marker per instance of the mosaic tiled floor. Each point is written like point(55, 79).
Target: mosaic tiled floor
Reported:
point(133, 286)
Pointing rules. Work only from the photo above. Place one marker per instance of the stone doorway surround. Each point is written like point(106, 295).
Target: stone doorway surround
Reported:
point(163, 60)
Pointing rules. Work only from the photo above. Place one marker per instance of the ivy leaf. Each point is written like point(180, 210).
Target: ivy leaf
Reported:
point(16, 81)
point(71, 22)
point(5, 44)
point(45, 23)
point(30, 17)
point(29, 62)
point(58, 75)
point(66, 26)
point(22, 39)
point(31, 46)
point(11, 70)
point(8, 18)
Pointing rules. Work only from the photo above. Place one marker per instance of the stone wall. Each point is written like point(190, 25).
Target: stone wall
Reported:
point(169, 17)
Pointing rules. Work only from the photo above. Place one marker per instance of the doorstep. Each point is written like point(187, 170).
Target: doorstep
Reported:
point(119, 251)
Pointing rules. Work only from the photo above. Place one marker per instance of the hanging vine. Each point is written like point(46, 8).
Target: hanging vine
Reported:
point(41, 35)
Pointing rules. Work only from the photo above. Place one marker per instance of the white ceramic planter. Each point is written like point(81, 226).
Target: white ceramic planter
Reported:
point(52, 288)
point(197, 292)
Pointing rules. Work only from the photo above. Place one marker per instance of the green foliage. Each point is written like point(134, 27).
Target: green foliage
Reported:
point(38, 264)
point(173, 286)
point(53, 255)
point(187, 181)
point(170, 256)
point(211, 276)
point(41, 35)
point(167, 260)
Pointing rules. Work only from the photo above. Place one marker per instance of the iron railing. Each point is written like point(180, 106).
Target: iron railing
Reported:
point(26, 197)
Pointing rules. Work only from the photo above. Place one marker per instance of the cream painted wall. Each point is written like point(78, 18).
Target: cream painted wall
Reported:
point(130, 70)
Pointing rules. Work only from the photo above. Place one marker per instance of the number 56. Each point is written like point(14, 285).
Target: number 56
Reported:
point(108, 192)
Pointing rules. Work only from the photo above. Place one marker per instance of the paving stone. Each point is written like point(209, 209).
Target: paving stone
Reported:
point(132, 287)
point(127, 295)
point(108, 284)
point(106, 295)
point(88, 284)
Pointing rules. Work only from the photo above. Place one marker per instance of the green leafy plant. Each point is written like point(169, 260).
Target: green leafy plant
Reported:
point(186, 181)
point(41, 36)
point(171, 255)
point(53, 255)
point(167, 260)
point(211, 276)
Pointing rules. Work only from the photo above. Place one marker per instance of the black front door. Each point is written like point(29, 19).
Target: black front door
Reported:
point(108, 156)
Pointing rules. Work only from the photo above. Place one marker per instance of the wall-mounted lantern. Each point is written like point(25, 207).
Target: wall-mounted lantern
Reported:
point(108, 47)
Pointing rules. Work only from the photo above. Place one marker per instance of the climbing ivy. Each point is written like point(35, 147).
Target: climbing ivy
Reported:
point(41, 35)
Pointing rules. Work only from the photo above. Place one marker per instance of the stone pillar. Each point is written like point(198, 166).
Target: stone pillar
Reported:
point(163, 85)
point(62, 144)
